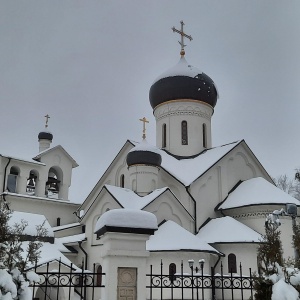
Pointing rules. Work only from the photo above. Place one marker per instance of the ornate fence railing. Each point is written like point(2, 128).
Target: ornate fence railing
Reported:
point(197, 285)
point(67, 282)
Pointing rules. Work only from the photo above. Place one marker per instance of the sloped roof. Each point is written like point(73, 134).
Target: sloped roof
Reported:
point(257, 191)
point(172, 237)
point(51, 252)
point(71, 238)
point(25, 160)
point(129, 199)
point(227, 230)
point(32, 220)
point(187, 170)
point(38, 157)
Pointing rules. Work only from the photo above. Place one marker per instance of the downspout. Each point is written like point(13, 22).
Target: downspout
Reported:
point(85, 253)
point(195, 208)
point(4, 178)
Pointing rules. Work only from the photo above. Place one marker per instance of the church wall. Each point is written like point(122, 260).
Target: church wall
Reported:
point(178, 189)
point(206, 192)
point(167, 208)
point(51, 209)
point(246, 254)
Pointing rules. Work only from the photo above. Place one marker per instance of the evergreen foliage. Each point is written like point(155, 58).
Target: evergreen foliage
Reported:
point(15, 255)
point(269, 254)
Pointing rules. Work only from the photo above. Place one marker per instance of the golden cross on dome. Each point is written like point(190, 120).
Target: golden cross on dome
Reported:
point(47, 119)
point(183, 35)
point(144, 120)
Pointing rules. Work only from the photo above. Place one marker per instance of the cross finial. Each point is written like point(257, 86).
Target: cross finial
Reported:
point(144, 120)
point(183, 35)
point(47, 119)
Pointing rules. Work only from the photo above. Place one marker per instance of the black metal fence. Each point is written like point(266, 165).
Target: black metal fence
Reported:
point(67, 282)
point(196, 284)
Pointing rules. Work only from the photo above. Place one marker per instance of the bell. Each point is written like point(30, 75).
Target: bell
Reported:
point(31, 182)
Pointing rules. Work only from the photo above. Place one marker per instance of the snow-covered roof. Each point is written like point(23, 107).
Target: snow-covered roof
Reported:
point(127, 218)
point(67, 226)
point(188, 170)
point(25, 160)
point(129, 199)
point(257, 191)
point(172, 237)
point(227, 230)
point(33, 220)
point(182, 68)
point(50, 252)
point(145, 146)
point(71, 238)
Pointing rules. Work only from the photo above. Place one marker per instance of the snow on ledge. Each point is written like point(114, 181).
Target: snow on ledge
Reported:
point(129, 218)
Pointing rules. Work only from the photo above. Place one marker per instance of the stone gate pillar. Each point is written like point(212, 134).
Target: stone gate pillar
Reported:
point(124, 234)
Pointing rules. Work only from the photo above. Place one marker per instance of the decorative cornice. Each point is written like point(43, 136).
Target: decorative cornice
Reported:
point(183, 107)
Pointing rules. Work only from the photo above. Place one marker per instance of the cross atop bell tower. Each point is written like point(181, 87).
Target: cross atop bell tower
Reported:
point(183, 35)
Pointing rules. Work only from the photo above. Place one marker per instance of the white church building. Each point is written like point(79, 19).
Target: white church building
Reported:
point(180, 199)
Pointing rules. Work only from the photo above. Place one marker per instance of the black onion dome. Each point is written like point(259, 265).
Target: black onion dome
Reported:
point(183, 81)
point(144, 154)
point(44, 135)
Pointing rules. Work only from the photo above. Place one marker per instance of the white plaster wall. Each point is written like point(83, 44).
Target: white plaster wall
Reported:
point(51, 209)
point(143, 179)
point(172, 114)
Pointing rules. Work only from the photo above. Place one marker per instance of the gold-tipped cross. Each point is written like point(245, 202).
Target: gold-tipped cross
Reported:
point(47, 119)
point(144, 120)
point(183, 35)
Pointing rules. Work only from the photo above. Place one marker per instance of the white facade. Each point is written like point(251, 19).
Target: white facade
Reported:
point(194, 183)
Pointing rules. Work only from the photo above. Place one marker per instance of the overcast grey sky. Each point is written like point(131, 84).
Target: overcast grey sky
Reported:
point(90, 64)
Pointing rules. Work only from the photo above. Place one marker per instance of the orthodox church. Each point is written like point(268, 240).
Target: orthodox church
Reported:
point(208, 202)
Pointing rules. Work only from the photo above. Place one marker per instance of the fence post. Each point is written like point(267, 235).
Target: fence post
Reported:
point(213, 286)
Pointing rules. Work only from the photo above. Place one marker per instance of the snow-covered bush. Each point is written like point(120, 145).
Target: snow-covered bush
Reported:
point(14, 281)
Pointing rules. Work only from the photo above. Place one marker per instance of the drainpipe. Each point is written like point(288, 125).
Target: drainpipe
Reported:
point(195, 208)
point(85, 253)
point(4, 177)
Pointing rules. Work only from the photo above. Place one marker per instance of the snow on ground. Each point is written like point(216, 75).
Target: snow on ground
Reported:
point(170, 236)
point(130, 218)
point(257, 191)
point(227, 230)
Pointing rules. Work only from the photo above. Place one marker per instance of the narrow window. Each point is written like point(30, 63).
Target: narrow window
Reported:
point(172, 272)
point(122, 181)
point(204, 136)
point(99, 275)
point(164, 136)
point(184, 133)
point(58, 222)
point(232, 263)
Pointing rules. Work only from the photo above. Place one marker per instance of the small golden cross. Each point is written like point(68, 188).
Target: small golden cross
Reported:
point(144, 120)
point(183, 35)
point(47, 119)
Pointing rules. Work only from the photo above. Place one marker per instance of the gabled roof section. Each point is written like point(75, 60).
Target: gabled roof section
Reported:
point(172, 237)
point(41, 154)
point(256, 191)
point(227, 230)
point(188, 170)
point(129, 199)
point(24, 160)
point(128, 143)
